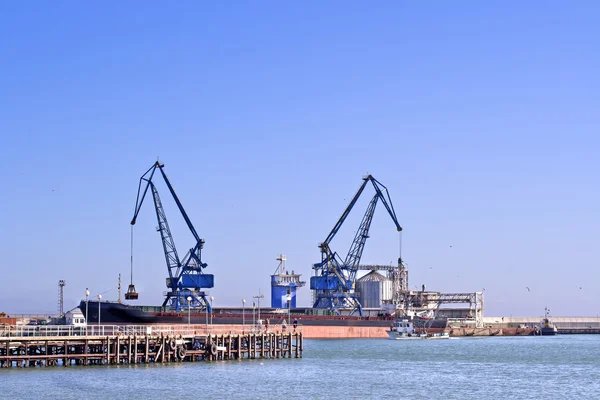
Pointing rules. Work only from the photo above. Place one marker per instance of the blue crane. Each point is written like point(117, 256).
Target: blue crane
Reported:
point(186, 277)
point(335, 278)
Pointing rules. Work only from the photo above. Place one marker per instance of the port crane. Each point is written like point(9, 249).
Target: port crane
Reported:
point(187, 280)
point(335, 278)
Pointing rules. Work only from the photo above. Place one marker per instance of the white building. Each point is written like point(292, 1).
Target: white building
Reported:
point(75, 318)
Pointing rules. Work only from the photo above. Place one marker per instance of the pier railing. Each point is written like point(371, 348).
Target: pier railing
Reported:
point(128, 330)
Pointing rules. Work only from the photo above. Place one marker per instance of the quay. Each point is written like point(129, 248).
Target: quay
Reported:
point(564, 325)
point(142, 345)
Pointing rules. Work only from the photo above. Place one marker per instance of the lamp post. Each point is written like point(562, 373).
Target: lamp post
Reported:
point(289, 301)
point(243, 314)
point(253, 319)
point(87, 316)
point(189, 299)
point(99, 300)
point(206, 315)
point(211, 312)
point(260, 296)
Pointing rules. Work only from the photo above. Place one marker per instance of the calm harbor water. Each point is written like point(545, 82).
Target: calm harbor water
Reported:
point(560, 367)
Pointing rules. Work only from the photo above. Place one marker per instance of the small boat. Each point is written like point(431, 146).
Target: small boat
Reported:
point(403, 329)
point(547, 328)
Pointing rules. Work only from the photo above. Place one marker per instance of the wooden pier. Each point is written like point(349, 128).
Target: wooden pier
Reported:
point(140, 349)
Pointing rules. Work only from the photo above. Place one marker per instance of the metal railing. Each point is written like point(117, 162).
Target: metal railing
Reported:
point(128, 330)
point(31, 316)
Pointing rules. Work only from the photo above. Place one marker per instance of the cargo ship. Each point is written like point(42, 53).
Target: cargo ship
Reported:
point(115, 313)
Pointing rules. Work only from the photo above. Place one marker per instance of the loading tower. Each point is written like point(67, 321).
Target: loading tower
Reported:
point(284, 285)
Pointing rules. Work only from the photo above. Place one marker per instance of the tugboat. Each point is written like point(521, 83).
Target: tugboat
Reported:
point(403, 329)
point(547, 328)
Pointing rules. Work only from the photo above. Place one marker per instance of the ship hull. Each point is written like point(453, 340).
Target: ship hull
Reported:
point(432, 336)
point(118, 313)
point(548, 331)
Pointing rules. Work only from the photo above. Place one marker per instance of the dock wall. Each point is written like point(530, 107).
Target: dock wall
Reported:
point(565, 325)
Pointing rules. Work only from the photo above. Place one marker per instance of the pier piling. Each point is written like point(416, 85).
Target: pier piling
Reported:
point(143, 349)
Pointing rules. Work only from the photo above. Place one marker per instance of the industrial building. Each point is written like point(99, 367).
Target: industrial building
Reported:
point(284, 285)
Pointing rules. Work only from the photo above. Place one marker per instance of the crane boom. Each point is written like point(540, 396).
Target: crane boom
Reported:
point(358, 244)
point(340, 221)
point(179, 205)
point(169, 249)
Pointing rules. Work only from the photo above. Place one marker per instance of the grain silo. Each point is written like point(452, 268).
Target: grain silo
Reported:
point(374, 290)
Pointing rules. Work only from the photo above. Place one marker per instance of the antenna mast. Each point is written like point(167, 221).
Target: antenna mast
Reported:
point(119, 289)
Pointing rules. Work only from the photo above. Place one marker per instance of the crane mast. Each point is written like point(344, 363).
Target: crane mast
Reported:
point(186, 280)
point(335, 279)
point(358, 244)
point(169, 248)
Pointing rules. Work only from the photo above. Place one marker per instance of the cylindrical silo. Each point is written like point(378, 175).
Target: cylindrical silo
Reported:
point(373, 289)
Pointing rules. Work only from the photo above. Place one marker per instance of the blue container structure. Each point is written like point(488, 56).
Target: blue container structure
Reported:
point(284, 285)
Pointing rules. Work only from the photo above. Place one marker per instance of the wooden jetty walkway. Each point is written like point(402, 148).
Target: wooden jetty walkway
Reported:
point(47, 351)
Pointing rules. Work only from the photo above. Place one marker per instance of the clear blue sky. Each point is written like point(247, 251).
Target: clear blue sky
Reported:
point(481, 119)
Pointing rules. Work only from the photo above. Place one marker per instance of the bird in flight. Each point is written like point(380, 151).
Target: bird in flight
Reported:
point(527, 287)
